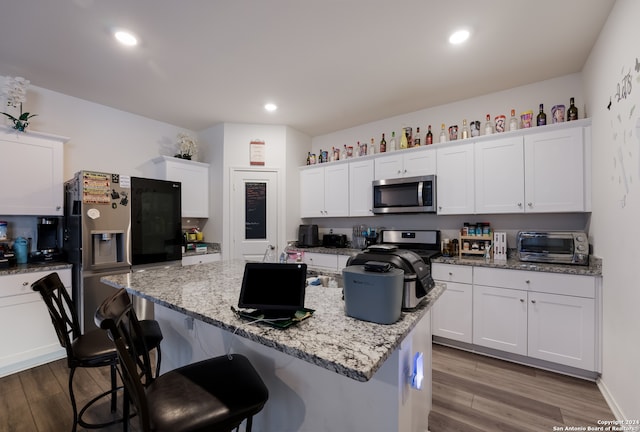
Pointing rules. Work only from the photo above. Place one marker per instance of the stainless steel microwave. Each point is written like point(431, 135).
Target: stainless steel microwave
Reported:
point(405, 195)
point(558, 247)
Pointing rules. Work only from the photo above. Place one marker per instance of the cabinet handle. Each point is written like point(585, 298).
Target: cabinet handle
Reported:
point(533, 301)
point(530, 204)
point(25, 283)
point(527, 281)
point(450, 274)
point(58, 208)
point(519, 204)
point(521, 300)
point(399, 172)
point(405, 171)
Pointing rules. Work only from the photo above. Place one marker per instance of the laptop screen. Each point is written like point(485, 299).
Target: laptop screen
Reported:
point(273, 287)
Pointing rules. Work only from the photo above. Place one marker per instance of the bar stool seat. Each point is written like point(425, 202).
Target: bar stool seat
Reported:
point(216, 395)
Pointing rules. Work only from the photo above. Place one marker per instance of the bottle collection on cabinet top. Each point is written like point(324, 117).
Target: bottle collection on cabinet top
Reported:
point(409, 139)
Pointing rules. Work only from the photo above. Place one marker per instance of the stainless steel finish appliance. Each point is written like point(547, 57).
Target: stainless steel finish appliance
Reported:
point(405, 195)
point(558, 247)
point(308, 236)
point(410, 251)
point(97, 229)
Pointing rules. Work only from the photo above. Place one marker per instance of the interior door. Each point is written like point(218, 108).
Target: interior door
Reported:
point(254, 204)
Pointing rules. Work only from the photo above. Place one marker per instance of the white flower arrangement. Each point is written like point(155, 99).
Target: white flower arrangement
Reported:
point(14, 91)
point(188, 146)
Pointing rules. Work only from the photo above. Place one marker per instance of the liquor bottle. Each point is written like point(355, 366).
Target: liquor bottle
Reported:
point(372, 148)
point(416, 139)
point(383, 145)
point(309, 158)
point(465, 129)
point(443, 134)
point(572, 112)
point(541, 119)
point(320, 160)
point(429, 137)
point(488, 126)
point(404, 139)
point(513, 121)
point(392, 142)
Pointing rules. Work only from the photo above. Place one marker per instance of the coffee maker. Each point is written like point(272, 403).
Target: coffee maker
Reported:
point(48, 248)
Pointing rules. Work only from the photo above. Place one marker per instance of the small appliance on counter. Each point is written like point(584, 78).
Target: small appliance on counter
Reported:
point(308, 236)
point(49, 248)
point(373, 292)
point(410, 251)
point(555, 247)
point(334, 240)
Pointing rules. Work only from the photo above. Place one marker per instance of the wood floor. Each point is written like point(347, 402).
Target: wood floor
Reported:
point(471, 393)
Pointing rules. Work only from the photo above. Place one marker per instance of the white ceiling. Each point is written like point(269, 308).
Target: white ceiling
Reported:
point(327, 64)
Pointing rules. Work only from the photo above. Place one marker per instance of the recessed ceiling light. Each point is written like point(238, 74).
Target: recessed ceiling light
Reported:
point(126, 38)
point(458, 37)
point(270, 107)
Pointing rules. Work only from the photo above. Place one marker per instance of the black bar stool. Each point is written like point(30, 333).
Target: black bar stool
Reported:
point(216, 395)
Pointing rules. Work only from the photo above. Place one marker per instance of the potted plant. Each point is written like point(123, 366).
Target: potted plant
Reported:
point(187, 146)
point(15, 91)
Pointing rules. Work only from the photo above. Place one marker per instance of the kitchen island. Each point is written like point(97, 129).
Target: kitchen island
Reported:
point(328, 373)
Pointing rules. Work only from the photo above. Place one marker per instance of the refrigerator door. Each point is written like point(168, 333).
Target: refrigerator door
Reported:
point(93, 294)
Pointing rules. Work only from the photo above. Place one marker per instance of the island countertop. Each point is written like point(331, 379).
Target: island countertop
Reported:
point(329, 339)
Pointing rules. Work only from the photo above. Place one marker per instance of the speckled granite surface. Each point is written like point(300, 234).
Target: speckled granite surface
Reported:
point(30, 268)
point(593, 269)
point(328, 339)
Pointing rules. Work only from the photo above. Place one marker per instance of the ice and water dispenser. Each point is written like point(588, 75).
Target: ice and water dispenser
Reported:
point(108, 248)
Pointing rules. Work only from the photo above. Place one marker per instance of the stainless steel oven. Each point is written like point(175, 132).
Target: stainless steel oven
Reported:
point(405, 195)
point(558, 247)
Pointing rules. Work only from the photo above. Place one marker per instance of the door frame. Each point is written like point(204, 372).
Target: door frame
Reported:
point(280, 208)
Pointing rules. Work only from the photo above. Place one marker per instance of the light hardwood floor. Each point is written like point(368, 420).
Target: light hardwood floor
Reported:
point(471, 393)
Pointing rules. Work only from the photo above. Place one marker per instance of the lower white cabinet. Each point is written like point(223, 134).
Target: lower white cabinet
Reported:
point(28, 336)
point(200, 259)
point(323, 261)
point(546, 316)
point(452, 313)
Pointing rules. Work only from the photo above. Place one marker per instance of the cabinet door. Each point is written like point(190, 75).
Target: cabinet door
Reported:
point(29, 338)
point(499, 176)
point(455, 182)
point(312, 192)
point(420, 163)
point(452, 313)
point(32, 172)
point(554, 171)
point(500, 319)
point(336, 190)
point(360, 188)
point(388, 166)
point(562, 329)
point(194, 177)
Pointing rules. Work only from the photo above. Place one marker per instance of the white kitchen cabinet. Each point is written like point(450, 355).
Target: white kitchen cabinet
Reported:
point(455, 181)
point(499, 175)
point(360, 188)
point(200, 259)
point(452, 313)
point(500, 318)
point(546, 316)
point(32, 168)
point(320, 261)
point(555, 171)
point(194, 177)
point(413, 163)
point(29, 338)
point(324, 191)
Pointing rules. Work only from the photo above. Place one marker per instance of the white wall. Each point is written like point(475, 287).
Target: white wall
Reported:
point(616, 201)
point(550, 92)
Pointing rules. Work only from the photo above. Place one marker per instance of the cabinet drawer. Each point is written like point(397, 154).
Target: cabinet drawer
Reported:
point(452, 273)
point(18, 284)
point(318, 260)
point(553, 283)
point(200, 259)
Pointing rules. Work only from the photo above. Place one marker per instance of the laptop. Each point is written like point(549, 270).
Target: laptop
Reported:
point(274, 293)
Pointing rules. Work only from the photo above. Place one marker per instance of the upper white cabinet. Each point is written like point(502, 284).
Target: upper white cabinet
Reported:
point(555, 171)
point(324, 191)
point(194, 177)
point(499, 175)
point(33, 164)
point(360, 188)
point(455, 181)
point(410, 164)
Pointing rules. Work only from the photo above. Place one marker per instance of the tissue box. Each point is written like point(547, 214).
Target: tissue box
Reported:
point(373, 296)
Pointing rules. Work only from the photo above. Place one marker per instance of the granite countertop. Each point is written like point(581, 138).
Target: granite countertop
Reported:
point(593, 269)
point(34, 267)
point(329, 339)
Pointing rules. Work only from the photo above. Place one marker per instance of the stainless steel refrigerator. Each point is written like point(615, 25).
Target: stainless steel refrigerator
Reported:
point(97, 236)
